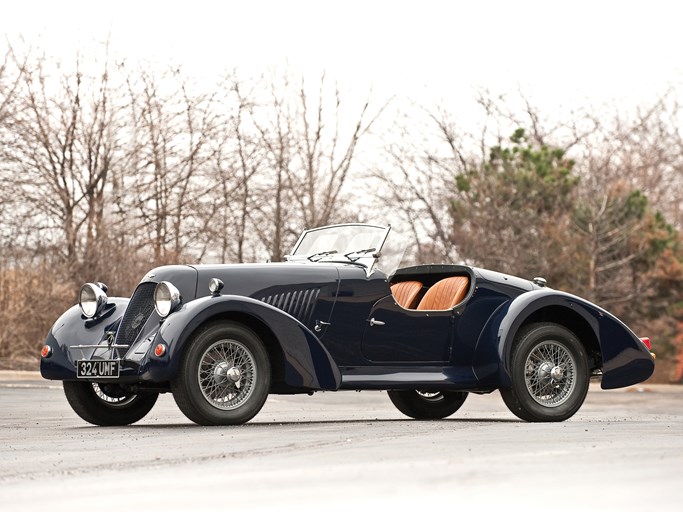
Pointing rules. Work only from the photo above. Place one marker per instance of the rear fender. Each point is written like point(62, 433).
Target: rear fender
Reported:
point(523, 307)
point(307, 364)
point(625, 360)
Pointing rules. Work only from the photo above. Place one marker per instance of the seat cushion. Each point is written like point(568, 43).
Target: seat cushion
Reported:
point(445, 294)
point(405, 293)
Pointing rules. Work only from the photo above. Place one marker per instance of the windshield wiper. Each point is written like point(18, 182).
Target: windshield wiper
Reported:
point(320, 255)
point(359, 253)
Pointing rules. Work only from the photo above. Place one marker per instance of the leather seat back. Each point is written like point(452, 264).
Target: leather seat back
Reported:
point(405, 293)
point(445, 294)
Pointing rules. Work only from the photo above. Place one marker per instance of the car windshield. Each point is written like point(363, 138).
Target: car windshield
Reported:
point(363, 244)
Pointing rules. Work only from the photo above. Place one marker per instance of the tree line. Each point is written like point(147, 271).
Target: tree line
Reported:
point(109, 168)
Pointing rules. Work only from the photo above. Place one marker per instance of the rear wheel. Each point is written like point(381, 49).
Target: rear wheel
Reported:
point(549, 371)
point(224, 376)
point(107, 405)
point(426, 405)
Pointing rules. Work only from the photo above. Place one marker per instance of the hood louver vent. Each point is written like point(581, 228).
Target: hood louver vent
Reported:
point(299, 304)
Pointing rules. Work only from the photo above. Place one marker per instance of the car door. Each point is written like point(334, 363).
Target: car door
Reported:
point(397, 335)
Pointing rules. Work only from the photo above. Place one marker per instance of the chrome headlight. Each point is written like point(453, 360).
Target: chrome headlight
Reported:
point(92, 299)
point(166, 298)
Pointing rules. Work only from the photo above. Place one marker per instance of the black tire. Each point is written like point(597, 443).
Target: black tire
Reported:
point(549, 370)
point(216, 356)
point(423, 405)
point(107, 405)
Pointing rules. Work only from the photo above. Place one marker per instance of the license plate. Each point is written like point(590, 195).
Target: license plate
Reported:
point(99, 368)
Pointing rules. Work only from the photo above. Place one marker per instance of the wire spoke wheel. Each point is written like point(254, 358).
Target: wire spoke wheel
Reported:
point(550, 374)
point(226, 374)
point(107, 404)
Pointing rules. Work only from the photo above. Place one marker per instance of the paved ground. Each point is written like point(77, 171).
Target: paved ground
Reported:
point(343, 451)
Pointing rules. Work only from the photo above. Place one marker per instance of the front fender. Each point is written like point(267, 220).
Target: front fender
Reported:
point(308, 365)
point(73, 329)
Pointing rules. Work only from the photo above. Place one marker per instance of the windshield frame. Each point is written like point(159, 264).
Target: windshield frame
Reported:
point(368, 261)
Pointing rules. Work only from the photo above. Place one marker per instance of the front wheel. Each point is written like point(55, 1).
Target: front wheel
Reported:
point(107, 405)
point(426, 405)
point(549, 371)
point(224, 376)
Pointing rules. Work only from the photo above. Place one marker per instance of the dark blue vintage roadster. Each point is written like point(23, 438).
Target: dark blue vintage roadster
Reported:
point(338, 314)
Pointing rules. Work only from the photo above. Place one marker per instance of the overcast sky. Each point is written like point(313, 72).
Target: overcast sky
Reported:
point(561, 53)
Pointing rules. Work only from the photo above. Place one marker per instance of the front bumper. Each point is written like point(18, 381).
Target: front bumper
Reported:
point(139, 364)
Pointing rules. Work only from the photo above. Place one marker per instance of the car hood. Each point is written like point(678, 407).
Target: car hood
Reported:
point(257, 280)
point(261, 280)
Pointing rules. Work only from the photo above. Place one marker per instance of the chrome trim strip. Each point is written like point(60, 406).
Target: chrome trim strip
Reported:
point(99, 346)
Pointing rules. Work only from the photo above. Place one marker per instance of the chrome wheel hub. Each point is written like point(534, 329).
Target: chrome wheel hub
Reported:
point(224, 372)
point(227, 374)
point(550, 373)
point(234, 374)
point(557, 373)
point(117, 398)
point(544, 370)
point(220, 372)
point(431, 396)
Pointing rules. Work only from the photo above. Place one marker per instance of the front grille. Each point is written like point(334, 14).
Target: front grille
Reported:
point(298, 303)
point(139, 308)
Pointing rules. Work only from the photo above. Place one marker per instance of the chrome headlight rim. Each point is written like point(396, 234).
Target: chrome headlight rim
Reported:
point(166, 298)
point(92, 299)
point(215, 286)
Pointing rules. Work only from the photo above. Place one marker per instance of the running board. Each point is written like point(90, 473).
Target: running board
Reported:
point(437, 377)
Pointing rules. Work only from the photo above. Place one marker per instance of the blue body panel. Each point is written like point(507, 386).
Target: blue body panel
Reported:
point(308, 365)
point(315, 320)
point(71, 329)
point(625, 359)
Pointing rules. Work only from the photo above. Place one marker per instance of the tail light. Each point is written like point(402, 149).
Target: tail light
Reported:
point(646, 342)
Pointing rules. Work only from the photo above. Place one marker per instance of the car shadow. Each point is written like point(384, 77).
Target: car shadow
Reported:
point(274, 424)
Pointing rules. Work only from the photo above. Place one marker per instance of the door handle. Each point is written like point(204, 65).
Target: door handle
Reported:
point(374, 322)
point(319, 324)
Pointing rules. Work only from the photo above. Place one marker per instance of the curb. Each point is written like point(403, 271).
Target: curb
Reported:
point(13, 375)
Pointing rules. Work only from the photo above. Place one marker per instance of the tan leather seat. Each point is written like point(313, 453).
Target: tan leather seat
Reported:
point(445, 294)
point(405, 293)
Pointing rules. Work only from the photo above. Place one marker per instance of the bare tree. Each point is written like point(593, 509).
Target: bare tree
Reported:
point(55, 168)
point(64, 151)
point(643, 149)
point(323, 153)
point(310, 151)
point(425, 161)
point(610, 222)
point(10, 77)
point(239, 161)
point(171, 145)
